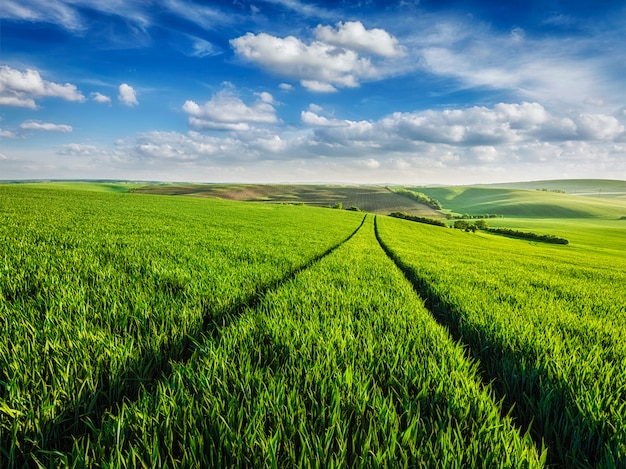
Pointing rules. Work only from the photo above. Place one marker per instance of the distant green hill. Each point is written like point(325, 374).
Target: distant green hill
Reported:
point(512, 202)
point(589, 187)
point(576, 198)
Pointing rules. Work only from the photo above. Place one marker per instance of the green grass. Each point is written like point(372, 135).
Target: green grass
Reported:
point(339, 367)
point(585, 235)
point(89, 186)
point(587, 187)
point(524, 203)
point(99, 291)
point(546, 323)
point(146, 330)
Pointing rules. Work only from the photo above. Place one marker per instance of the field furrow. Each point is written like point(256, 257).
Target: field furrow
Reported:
point(545, 322)
point(340, 366)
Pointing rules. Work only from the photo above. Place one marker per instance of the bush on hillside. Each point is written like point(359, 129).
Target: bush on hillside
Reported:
point(421, 198)
point(544, 238)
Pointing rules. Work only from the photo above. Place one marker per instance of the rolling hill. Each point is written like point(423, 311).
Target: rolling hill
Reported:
point(514, 202)
point(373, 199)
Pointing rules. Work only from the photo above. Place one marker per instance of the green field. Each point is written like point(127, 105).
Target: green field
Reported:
point(150, 330)
point(588, 187)
point(524, 203)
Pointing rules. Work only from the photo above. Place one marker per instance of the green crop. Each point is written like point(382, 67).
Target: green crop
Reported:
point(100, 292)
point(152, 331)
point(340, 366)
point(545, 322)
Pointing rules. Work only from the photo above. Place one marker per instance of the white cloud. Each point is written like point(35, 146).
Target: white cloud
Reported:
point(20, 89)
point(203, 16)
point(317, 86)
point(7, 134)
point(51, 11)
point(315, 120)
point(127, 95)
point(226, 111)
point(319, 66)
point(47, 126)
point(451, 146)
point(78, 149)
point(552, 71)
point(369, 163)
point(503, 124)
point(66, 13)
point(100, 98)
point(202, 48)
point(598, 127)
point(304, 9)
point(353, 35)
point(265, 97)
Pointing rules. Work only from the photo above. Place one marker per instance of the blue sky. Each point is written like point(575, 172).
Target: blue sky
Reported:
point(412, 92)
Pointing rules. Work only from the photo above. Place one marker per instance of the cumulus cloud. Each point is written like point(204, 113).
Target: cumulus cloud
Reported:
point(226, 111)
point(315, 120)
point(47, 126)
point(100, 98)
point(330, 62)
point(430, 145)
point(598, 127)
point(20, 89)
point(353, 35)
point(505, 135)
point(319, 66)
point(127, 95)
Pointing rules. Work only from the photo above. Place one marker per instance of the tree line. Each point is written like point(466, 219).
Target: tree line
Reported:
point(482, 225)
point(428, 221)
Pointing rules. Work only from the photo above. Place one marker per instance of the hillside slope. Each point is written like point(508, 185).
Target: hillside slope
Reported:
point(482, 200)
point(373, 199)
point(588, 187)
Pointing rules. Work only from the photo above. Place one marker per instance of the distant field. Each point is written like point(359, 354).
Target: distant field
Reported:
point(373, 199)
point(588, 187)
point(91, 186)
point(523, 203)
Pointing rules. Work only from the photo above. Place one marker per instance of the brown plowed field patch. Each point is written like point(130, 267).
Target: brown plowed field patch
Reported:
point(373, 199)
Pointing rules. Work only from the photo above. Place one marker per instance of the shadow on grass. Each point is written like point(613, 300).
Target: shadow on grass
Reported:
point(535, 399)
point(55, 437)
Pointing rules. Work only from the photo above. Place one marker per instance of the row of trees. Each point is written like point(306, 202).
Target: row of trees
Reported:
point(466, 216)
point(467, 226)
point(544, 238)
point(428, 221)
point(482, 225)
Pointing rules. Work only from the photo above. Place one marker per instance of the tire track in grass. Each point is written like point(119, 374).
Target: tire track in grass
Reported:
point(436, 306)
point(523, 377)
point(341, 366)
point(155, 365)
